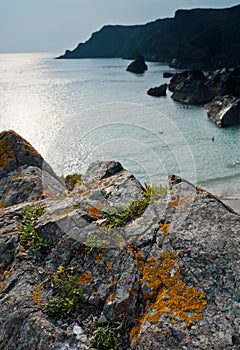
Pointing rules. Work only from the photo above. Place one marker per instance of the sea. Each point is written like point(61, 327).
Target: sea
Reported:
point(78, 111)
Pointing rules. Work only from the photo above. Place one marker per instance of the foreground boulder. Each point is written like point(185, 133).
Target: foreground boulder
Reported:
point(24, 175)
point(138, 66)
point(158, 91)
point(161, 272)
point(224, 111)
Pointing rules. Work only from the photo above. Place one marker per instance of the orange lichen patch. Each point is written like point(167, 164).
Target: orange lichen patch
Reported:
point(169, 294)
point(183, 203)
point(18, 176)
point(164, 228)
point(80, 191)
point(99, 258)
point(96, 212)
point(37, 296)
point(2, 203)
point(4, 274)
point(174, 203)
point(111, 297)
point(85, 278)
point(113, 281)
point(136, 330)
point(109, 265)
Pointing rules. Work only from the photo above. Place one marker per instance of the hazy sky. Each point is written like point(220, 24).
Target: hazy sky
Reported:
point(55, 25)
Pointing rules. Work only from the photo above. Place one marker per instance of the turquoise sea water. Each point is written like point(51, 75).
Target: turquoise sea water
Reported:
point(77, 111)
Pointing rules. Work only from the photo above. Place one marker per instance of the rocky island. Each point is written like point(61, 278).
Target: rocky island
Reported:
point(102, 262)
point(197, 38)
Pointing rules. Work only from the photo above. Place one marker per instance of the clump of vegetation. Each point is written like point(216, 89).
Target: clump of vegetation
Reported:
point(35, 244)
point(104, 338)
point(120, 216)
point(68, 297)
point(72, 180)
point(153, 191)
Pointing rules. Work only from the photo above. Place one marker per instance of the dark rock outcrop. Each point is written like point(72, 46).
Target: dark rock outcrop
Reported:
point(224, 82)
point(168, 75)
point(167, 278)
point(190, 87)
point(224, 111)
point(138, 66)
point(158, 91)
point(203, 38)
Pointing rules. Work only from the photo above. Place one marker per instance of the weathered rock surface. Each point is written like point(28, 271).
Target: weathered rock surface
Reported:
point(138, 66)
point(24, 175)
point(224, 111)
point(168, 279)
point(158, 91)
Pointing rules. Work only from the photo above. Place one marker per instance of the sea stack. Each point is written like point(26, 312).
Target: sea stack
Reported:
point(138, 66)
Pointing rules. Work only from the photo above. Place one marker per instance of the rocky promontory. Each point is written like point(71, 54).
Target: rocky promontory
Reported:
point(113, 264)
point(218, 90)
point(196, 38)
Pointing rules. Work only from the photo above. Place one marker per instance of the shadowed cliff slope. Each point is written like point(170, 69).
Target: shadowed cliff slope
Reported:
point(193, 38)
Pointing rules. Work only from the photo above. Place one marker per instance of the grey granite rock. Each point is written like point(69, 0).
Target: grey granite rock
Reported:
point(168, 279)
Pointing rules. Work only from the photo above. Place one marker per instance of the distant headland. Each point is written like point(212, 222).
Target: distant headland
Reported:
point(197, 38)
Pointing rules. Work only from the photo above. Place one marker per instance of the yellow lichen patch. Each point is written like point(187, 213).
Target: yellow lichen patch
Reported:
point(109, 265)
point(164, 228)
point(96, 212)
point(85, 278)
point(111, 298)
point(37, 296)
point(169, 294)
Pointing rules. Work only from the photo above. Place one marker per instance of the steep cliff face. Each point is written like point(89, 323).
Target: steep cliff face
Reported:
point(115, 265)
point(196, 38)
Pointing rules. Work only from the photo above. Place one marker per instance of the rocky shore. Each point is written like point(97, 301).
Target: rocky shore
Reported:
point(217, 91)
point(110, 263)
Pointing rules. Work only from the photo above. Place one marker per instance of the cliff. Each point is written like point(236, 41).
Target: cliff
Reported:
point(111, 264)
point(198, 38)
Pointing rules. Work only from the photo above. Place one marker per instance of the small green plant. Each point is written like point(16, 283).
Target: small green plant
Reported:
point(72, 180)
point(120, 216)
point(34, 243)
point(152, 191)
point(104, 338)
point(68, 297)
